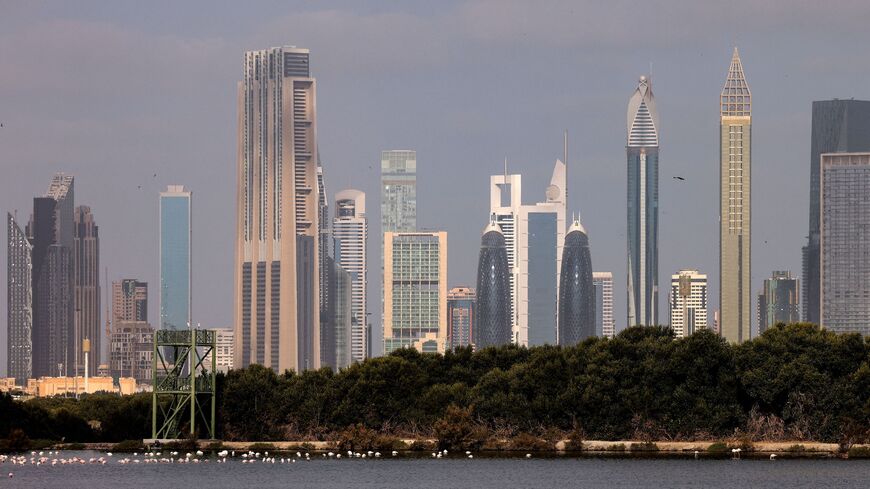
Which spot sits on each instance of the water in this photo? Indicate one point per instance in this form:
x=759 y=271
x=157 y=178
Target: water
x=459 y=472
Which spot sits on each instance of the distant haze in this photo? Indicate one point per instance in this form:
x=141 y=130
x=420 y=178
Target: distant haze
x=116 y=92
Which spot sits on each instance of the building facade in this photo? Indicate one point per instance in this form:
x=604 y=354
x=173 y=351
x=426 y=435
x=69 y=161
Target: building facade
x=534 y=237
x=415 y=291
x=175 y=258
x=845 y=242
x=131 y=351
x=778 y=301
x=576 y=292
x=642 y=150
x=350 y=232
x=87 y=291
x=493 y=325
x=342 y=350
x=277 y=270
x=19 y=302
x=839 y=126
x=461 y=305
x=129 y=300
x=688 y=302
x=735 y=212
x=224 y=350
x=52 y=234
x=602 y=282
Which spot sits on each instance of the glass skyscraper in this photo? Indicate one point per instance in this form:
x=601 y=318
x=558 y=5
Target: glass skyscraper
x=350 y=232
x=461 y=304
x=576 y=292
x=87 y=291
x=839 y=126
x=19 y=305
x=642 y=150
x=844 y=241
x=735 y=211
x=778 y=301
x=493 y=323
x=175 y=265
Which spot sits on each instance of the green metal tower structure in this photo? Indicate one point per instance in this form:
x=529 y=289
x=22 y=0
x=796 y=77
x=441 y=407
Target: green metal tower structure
x=184 y=383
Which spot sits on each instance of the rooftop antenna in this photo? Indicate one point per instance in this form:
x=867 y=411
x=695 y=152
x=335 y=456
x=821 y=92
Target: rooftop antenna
x=505 y=169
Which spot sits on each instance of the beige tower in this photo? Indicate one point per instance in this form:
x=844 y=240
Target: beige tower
x=734 y=204
x=277 y=316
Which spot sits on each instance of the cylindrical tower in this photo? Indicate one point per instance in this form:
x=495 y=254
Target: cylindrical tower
x=576 y=294
x=493 y=291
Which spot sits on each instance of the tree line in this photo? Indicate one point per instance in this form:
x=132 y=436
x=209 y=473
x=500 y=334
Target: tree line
x=796 y=382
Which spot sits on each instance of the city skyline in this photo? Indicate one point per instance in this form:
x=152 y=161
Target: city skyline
x=696 y=165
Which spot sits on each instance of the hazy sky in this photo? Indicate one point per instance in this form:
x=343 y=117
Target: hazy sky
x=114 y=92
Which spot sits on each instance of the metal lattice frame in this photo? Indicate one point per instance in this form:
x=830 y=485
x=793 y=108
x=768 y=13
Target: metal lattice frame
x=180 y=356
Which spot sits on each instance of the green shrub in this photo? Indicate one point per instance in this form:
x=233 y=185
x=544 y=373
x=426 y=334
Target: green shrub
x=527 y=441
x=616 y=447
x=796 y=449
x=718 y=447
x=456 y=430
x=859 y=452
x=644 y=447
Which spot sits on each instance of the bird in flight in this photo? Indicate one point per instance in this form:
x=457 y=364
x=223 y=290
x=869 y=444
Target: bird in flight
x=679 y=178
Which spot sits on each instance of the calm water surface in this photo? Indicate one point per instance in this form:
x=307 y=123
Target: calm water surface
x=484 y=473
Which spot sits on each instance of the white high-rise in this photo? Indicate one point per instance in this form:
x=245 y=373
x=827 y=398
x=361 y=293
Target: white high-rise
x=688 y=302
x=534 y=237
x=350 y=232
x=602 y=283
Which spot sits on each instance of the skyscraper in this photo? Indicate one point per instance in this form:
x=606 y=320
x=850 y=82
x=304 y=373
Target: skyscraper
x=845 y=242
x=87 y=290
x=325 y=261
x=839 y=126
x=19 y=303
x=778 y=301
x=350 y=231
x=642 y=150
x=341 y=295
x=415 y=291
x=52 y=235
x=602 y=282
x=576 y=292
x=398 y=200
x=688 y=302
x=534 y=237
x=175 y=258
x=461 y=305
x=277 y=280
x=735 y=168
x=493 y=322
x=129 y=300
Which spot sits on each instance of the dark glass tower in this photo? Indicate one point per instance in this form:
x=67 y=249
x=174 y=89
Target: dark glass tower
x=839 y=126
x=576 y=294
x=642 y=150
x=19 y=303
x=493 y=291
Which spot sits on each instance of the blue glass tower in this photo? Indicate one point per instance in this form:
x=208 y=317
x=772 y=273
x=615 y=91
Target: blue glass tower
x=576 y=292
x=493 y=325
x=642 y=151
x=175 y=293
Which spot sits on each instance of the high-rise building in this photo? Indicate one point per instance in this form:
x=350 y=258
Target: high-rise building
x=493 y=323
x=341 y=296
x=131 y=351
x=350 y=232
x=129 y=300
x=778 y=301
x=602 y=282
x=839 y=126
x=735 y=168
x=175 y=258
x=19 y=302
x=576 y=292
x=398 y=200
x=845 y=242
x=642 y=150
x=277 y=271
x=52 y=234
x=224 y=350
x=688 y=302
x=87 y=291
x=324 y=259
x=534 y=236
x=461 y=305
x=415 y=291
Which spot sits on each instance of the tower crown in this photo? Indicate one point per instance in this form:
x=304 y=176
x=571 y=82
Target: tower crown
x=643 y=118
x=736 y=100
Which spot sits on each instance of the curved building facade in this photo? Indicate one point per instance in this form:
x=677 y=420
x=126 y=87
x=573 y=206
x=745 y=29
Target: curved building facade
x=576 y=293
x=493 y=291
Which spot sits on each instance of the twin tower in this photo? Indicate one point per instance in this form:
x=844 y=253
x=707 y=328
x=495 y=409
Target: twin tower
x=534 y=279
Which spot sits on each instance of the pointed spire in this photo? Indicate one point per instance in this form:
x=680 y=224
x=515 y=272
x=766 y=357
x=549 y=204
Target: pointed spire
x=735 y=100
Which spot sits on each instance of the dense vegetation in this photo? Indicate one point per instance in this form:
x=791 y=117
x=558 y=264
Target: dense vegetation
x=795 y=382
